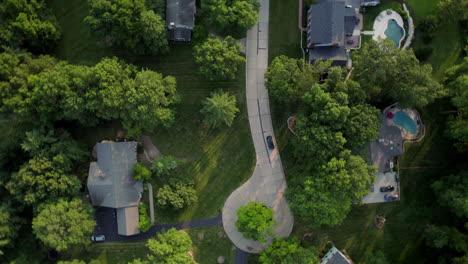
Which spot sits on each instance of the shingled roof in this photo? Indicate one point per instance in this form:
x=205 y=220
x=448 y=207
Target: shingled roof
x=110 y=182
x=180 y=18
x=326 y=22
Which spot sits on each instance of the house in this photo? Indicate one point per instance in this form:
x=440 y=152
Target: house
x=180 y=18
x=370 y=2
x=334 y=256
x=111 y=184
x=333 y=29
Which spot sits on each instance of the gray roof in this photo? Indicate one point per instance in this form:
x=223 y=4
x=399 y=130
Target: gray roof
x=334 y=256
x=326 y=22
x=336 y=54
x=180 y=19
x=349 y=20
x=110 y=181
x=127 y=221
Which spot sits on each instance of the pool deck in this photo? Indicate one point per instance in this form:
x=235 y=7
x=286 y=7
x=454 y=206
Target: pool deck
x=388 y=147
x=381 y=24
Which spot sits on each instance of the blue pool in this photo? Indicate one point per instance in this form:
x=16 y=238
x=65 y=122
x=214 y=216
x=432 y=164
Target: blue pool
x=394 y=32
x=404 y=120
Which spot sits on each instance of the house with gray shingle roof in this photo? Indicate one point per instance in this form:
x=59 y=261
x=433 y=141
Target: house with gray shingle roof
x=111 y=184
x=180 y=19
x=333 y=28
x=334 y=256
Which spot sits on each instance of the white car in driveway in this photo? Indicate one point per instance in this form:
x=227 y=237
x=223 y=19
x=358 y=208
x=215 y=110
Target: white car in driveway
x=98 y=238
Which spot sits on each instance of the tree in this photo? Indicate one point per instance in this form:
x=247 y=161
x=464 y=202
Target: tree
x=457 y=81
x=235 y=16
x=219 y=59
x=28 y=24
x=289 y=79
x=129 y=24
x=336 y=82
x=163 y=165
x=287 y=251
x=219 y=109
x=64 y=224
x=141 y=173
x=319 y=125
x=75 y=261
x=453 y=9
x=441 y=236
x=177 y=194
x=452 y=191
x=9 y=226
x=362 y=126
x=326 y=197
x=43 y=179
x=255 y=221
x=395 y=75
x=170 y=247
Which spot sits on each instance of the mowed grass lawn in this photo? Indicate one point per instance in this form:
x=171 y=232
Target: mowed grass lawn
x=213 y=244
x=218 y=160
x=402 y=238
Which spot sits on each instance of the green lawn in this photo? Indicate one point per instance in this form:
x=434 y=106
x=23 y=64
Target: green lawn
x=284 y=35
x=214 y=243
x=373 y=11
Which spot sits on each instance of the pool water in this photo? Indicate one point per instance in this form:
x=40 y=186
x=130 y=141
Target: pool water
x=404 y=120
x=394 y=32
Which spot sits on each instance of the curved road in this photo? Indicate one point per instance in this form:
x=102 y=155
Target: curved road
x=267 y=183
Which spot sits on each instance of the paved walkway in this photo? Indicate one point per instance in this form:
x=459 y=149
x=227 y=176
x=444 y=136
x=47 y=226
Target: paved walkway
x=151 y=201
x=107 y=225
x=267 y=184
x=409 y=38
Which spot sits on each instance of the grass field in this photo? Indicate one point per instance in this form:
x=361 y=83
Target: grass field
x=214 y=243
x=402 y=238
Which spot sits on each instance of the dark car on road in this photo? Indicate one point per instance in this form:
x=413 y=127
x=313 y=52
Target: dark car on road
x=391 y=197
x=388 y=188
x=270 y=143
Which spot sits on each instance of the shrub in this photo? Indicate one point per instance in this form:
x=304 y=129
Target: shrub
x=162 y=165
x=177 y=194
x=145 y=222
x=141 y=173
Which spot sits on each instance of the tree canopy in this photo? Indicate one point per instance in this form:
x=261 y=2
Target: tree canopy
x=219 y=109
x=110 y=90
x=163 y=165
x=255 y=221
x=325 y=198
x=178 y=194
x=235 y=16
x=452 y=191
x=9 y=226
x=287 y=251
x=170 y=247
x=28 y=24
x=219 y=59
x=457 y=81
x=129 y=24
x=141 y=173
x=386 y=72
x=65 y=223
x=289 y=79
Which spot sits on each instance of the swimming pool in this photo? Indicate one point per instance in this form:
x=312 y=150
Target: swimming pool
x=404 y=120
x=394 y=32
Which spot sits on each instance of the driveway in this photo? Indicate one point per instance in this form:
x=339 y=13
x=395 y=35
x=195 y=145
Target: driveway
x=267 y=183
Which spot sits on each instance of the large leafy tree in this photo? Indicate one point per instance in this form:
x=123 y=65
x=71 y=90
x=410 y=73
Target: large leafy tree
x=453 y=9
x=219 y=109
x=457 y=81
x=287 y=251
x=9 y=226
x=27 y=24
x=446 y=236
x=219 y=59
x=362 y=126
x=288 y=79
x=64 y=224
x=235 y=16
x=325 y=198
x=386 y=72
x=319 y=125
x=452 y=191
x=255 y=221
x=177 y=194
x=128 y=23
x=170 y=247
